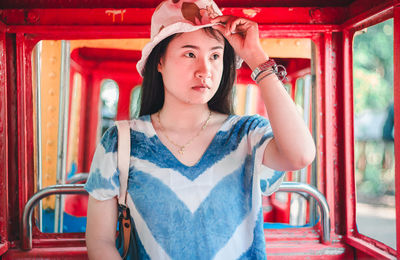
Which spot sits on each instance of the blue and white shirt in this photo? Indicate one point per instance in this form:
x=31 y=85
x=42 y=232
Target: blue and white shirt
x=211 y=210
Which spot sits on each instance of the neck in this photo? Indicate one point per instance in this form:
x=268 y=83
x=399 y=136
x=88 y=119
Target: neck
x=183 y=117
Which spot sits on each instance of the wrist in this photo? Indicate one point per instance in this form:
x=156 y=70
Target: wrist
x=267 y=68
x=256 y=58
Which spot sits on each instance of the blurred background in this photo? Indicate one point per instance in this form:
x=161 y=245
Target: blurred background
x=374 y=132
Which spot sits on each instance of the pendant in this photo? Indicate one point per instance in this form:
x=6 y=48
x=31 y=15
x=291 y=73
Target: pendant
x=181 y=150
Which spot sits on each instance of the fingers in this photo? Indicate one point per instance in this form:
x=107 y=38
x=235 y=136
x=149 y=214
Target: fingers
x=220 y=28
x=232 y=24
x=239 y=25
x=221 y=19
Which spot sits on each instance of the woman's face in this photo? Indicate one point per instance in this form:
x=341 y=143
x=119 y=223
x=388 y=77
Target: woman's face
x=192 y=67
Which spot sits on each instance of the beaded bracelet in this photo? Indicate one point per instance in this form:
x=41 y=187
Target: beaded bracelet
x=271 y=67
x=261 y=68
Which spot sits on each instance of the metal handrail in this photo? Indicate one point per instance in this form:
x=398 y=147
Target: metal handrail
x=27 y=216
x=298 y=187
x=79 y=189
x=77 y=178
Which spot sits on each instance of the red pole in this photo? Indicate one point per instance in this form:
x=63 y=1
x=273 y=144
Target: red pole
x=4 y=214
x=348 y=132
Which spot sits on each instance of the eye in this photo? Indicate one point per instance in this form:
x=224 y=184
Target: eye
x=190 y=55
x=215 y=56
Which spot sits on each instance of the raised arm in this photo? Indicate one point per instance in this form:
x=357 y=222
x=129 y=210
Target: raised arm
x=292 y=147
x=101 y=229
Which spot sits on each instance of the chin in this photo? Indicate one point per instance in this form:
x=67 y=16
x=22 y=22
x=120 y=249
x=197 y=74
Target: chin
x=200 y=101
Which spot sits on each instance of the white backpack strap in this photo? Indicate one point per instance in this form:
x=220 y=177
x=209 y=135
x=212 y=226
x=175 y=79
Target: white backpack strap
x=124 y=154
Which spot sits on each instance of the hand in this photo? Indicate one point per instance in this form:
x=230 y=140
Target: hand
x=243 y=35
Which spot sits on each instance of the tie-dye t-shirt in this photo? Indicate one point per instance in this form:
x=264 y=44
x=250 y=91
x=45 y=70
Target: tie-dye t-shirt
x=211 y=210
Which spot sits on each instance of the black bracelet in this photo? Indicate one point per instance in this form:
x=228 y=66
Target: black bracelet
x=258 y=81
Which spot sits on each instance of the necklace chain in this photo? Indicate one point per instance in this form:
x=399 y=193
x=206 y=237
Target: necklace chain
x=181 y=148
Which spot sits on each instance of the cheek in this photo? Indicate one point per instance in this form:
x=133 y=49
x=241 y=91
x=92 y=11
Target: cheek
x=218 y=72
x=178 y=70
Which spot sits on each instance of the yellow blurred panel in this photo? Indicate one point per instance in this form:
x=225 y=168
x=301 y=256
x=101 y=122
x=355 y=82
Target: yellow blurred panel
x=124 y=44
x=254 y=95
x=240 y=99
x=287 y=48
x=50 y=88
x=73 y=137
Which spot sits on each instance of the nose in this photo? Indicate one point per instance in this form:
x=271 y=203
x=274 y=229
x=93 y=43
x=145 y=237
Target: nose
x=203 y=69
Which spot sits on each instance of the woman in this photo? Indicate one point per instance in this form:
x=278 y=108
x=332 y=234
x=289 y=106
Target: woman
x=194 y=179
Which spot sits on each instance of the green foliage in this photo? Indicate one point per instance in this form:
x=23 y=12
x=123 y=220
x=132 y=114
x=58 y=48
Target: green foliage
x=373 y=90
x=373 y=67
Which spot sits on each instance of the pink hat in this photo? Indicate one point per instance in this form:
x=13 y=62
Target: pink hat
x=178 y=16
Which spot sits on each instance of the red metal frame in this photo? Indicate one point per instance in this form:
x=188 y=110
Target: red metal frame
x=3 y=144
x=370 y=14
x=24 y=121
x=12 y=174
x=330 y=28
x=348 y=160
x=137 y=16
x=353 y=238
x=326 y=98
x=29 y=4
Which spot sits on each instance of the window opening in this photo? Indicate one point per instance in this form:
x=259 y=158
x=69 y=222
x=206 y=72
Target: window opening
x=373 y=132
x=134 y=107
x=109 y=95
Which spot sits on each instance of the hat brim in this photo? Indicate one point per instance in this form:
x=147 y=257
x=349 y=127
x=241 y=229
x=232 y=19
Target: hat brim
x=172 y=29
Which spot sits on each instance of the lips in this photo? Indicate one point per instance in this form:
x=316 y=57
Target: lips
x=200 y=87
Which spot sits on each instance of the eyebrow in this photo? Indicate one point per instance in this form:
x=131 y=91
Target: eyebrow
x=196 y=47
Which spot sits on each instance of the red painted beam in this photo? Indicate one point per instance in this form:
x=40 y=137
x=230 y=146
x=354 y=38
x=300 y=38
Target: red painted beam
x=336 y=180
x=3 y=146
x=321 y=92
x=337 y=15
x=24 y=121
x=348 y=130
x=329 y=129
x=367 y=13
x=67 y=253
x=142 y=16
x=294 y=13
x=8 y=4
x=12 y=138
x=370 y=248
x=71 y=32
x=21 y=127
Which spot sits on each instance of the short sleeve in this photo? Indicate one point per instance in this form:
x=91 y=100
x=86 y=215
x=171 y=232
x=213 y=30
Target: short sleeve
x=270 y=180
x=259 y=135
x=103 y=180
x=259 y=132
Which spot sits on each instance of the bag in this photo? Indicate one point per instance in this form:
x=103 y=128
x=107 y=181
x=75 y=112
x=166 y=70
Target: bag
x=127 y=238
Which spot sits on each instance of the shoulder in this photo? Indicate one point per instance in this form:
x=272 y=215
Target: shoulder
x=218 y=119
x=136 y=123
x=248 y=122
x=110 y=139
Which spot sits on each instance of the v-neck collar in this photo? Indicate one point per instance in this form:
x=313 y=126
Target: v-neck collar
x=171 y=155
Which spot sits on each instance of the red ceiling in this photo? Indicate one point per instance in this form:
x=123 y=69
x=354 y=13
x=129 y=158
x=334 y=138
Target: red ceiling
x=27 y=4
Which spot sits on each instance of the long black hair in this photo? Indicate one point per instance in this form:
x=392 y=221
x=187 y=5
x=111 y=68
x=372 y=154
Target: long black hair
x=152 y=96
